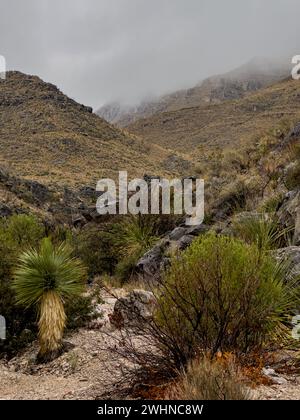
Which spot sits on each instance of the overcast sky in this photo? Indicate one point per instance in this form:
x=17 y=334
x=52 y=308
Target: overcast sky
x=99 y=51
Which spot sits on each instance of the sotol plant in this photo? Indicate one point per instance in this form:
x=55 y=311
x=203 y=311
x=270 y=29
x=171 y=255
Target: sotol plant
x=46 y=278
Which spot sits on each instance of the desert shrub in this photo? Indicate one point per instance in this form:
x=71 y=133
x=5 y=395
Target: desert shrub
x=114 y=248
x=96 y=248
x=126 y=268
x=223 y=295
x=136 y=235
x=59 y=234
x=261 y=229
x=219 y=295
x=236 y=161
x=79 y=311
x=22 y=231
x=207 y=379
x=20 y=323
x=294 y=150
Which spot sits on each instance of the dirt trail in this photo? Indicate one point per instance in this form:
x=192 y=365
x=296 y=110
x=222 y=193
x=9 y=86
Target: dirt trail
x=84 y=372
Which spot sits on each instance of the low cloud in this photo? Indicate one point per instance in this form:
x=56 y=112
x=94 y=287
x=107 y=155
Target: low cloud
x=124 y=50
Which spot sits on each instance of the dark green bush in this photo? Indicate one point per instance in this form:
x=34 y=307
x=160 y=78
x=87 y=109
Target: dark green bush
x=79 y=311
x=96 y=248
x=22 y=231
x=20 y=324
x=223 y=295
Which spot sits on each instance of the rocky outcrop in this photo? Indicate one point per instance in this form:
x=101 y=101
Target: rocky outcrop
x=294 y=134
x=289 y=214
x=153 y=263
x=131 y=310
x=290 y=255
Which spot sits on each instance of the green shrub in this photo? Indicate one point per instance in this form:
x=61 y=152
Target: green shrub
x=114 y=248
x=209 y=380
x=79 y=311
x=96 y=248
x=235 y=196
x=22 y=231
x=222 y=294
x=20 y=323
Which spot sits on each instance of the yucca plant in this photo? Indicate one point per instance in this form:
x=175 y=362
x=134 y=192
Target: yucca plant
x=46 y=278
x=135 y=236
x=263 y=230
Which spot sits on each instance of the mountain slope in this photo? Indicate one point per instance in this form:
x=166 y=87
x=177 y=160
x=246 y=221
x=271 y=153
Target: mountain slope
x=230 y=124
x=254 y=75
x=46 y=136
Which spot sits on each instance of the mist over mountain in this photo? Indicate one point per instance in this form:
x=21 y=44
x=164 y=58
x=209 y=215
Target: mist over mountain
x=253 y=75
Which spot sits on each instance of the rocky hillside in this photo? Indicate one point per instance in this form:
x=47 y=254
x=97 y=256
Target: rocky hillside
x=231 y=124
x=47 y=137
x=254 y=75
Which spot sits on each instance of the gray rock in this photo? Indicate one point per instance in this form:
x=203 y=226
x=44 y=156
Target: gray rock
x=185 y=242
x=270 y=373
x=177 y=233
x=290 y=254
x=5 y=211
x=155 y=261
x=149 y=267
x=135 y=308
x=292 y=135
x=289 y=214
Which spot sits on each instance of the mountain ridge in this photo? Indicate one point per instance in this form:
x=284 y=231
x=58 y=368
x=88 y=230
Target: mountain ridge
x=251 y=76
x=47 y=137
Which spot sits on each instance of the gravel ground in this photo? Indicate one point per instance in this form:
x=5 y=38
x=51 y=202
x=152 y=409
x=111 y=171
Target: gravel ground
x=89 y=370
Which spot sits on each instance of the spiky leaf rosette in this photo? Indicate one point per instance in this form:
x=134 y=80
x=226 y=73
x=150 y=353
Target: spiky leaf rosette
x=46 y=278
x=49 y=269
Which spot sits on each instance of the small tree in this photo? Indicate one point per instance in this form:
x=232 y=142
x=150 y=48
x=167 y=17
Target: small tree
x=46 y=278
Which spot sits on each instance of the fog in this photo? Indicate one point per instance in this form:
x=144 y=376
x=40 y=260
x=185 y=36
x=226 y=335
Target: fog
x=99 y=51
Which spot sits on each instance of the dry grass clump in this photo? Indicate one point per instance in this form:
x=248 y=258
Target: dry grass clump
x=207 y=379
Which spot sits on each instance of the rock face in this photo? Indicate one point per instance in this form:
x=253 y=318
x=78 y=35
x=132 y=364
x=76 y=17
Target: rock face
x=294 y=134
x=289 y=213
x=136 y=307
x=152 y=264
x=290 y=254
